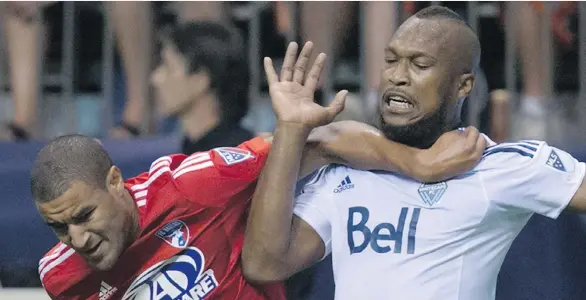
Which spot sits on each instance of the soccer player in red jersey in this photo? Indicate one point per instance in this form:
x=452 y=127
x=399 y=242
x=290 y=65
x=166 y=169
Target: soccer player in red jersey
x=176 y=231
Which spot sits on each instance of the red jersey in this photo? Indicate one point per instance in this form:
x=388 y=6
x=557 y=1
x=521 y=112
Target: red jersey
x=193 y=214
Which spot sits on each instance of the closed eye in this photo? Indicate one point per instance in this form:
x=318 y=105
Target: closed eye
x=83 y=216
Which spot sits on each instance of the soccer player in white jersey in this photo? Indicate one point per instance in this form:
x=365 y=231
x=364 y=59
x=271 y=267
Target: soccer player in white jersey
x=392 y=237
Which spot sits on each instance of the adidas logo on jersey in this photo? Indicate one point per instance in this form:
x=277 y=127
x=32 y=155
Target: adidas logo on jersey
x=106 y=291
x=345 y=185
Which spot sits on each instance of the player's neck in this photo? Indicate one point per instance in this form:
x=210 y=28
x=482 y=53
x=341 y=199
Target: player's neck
x=134 y=231
x=202 y=117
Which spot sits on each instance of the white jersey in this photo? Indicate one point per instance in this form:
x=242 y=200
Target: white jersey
x=394 y=238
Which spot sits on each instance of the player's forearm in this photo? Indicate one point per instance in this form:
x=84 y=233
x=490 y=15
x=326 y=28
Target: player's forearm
x=362 y=147
x=269 y=224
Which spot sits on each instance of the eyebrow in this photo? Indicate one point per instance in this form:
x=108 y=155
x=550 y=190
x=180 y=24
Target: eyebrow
x=79 y=214
x=411 y=53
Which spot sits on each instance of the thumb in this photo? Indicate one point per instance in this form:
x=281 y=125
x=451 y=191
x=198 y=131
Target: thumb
x=337 y=104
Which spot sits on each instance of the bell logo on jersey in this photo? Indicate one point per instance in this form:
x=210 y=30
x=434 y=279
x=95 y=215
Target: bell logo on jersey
x=381 y=232
x=233 y=155
x=175 y=233
x=180 y=277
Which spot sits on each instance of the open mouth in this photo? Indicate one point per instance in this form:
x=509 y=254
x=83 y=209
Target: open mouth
x=398 y=103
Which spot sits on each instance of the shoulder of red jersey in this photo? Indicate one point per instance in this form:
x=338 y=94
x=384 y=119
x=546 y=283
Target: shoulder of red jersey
x=221 y=161
x=60 y=269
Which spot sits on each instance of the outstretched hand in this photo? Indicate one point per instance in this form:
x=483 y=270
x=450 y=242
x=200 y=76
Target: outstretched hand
x=292 y=94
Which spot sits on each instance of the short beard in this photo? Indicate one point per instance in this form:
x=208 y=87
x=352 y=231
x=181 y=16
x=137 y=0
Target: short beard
x=424 y=132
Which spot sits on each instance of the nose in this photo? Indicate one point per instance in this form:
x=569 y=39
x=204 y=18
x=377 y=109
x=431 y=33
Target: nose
x=155 y=76
x=78 y=237
x=399 y=75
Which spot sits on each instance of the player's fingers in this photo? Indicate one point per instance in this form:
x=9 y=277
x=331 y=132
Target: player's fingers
x=288 y=62
x=337 y=105
x=315 y=72
x=301 y=65
x=270 y=71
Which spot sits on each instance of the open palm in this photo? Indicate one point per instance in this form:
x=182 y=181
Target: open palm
x=292 y=94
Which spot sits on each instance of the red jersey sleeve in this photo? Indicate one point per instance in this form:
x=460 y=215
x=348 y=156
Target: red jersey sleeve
x=213 y=177
x=58 y=272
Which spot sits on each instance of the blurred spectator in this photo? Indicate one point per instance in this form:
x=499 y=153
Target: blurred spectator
x=533 y=63
x=327 y=31
x=203 y=79
x=134 y=26
x=22 y=26
x=534 y=60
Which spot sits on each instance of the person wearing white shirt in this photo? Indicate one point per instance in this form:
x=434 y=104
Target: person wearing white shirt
x=392 y=237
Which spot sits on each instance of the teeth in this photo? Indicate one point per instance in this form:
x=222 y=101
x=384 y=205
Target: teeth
x=399 y=102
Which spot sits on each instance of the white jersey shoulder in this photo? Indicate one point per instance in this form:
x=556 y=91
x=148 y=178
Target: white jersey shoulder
x=445 y=240
x=530 y=176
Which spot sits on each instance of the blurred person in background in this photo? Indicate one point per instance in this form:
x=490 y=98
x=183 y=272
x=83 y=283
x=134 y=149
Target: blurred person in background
x=328 y=31
x=203 y=79
x=533 y=63
x=135 y=26
x=22 y=27
x=534 y=60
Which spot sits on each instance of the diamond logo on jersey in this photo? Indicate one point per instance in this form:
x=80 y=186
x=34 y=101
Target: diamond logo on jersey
x=106 y=291
x=432 y=193
x=555 y=162
x=345 y=185
x=179 y=277
x=175 y=233
x=233 y=155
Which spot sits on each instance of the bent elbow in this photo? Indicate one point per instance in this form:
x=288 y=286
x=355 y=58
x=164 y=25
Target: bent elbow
x=259 y=274
x=259 y=271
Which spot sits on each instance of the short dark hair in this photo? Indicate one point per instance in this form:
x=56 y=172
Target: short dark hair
x=66 y=159
x=220 y=51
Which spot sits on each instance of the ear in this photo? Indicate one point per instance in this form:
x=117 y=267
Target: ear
x=114 y=180
x=199 y=82
x=466 y=85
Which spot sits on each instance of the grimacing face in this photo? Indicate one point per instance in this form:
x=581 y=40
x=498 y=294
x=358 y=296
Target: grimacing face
x=175 y=88
x=98 y=223
x=419 y=90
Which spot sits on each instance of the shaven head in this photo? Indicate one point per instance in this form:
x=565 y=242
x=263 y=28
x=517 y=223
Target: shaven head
x=428 y=72
x=461 y=39
x=67 y=159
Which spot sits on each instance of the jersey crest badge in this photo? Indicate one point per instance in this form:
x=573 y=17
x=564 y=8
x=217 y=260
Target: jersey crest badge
x=432 y=193
x=182 y=276
x=175 y=233
x=555 y=162
x=233 y=155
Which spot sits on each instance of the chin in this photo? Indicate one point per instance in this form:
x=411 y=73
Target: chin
x=105 y=264
x=399 y=120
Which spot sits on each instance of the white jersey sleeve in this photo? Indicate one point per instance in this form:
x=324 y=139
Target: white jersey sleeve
x=531 y=177
x=312 y=206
